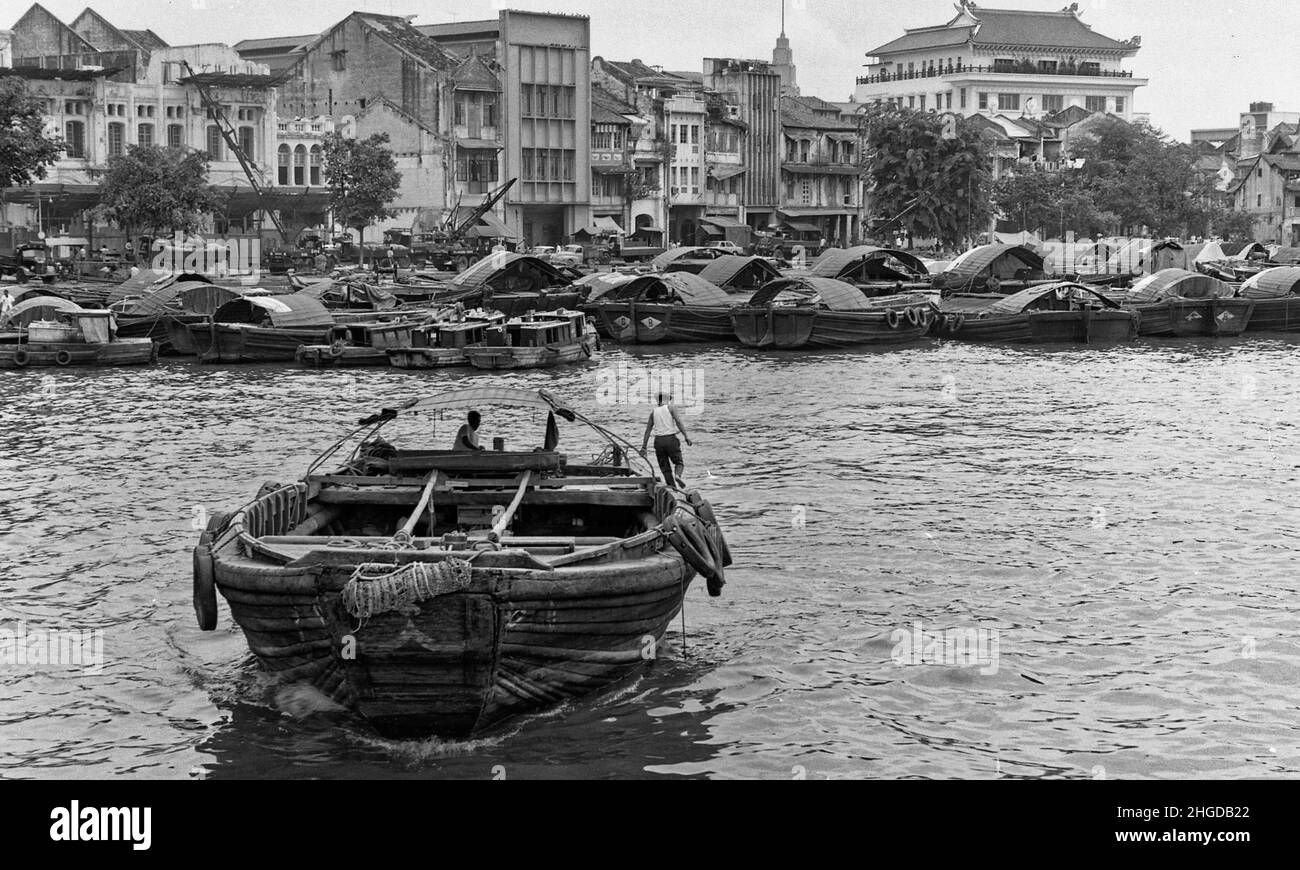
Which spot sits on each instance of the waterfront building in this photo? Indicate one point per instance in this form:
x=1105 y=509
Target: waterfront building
x=1001 y=61
x=754 y=89
x=820 y=171
x=105 y=88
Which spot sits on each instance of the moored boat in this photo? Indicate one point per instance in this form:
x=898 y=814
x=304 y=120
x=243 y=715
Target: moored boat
x=541 y=341
x=441 y=592
x=1066 y=312
x=261 y=329
x=873 y=270
x=79 y=337
x=440 y=345
x=669 y=307
x=1179 y=303
x=1277 y=305
x=808 y=311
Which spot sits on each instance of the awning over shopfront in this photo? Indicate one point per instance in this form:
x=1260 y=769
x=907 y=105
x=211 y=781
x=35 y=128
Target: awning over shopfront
x=723 y=171
x=723 y=222
x=612 y=169
x=478 y=144
x=608 y=225
x=802 y=227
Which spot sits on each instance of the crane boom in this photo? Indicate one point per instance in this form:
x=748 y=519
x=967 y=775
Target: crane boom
x=459 y=229
x=213 y=107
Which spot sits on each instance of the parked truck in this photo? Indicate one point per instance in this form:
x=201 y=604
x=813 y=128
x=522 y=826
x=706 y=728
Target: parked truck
x=24 y=255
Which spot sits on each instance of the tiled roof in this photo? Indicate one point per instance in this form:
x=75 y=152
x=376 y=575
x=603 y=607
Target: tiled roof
x=794 y=113
x=285 y=43
x=475 y=74
x=609 y=109
x=399 y=33
x=147 y=39
x=1005 y=27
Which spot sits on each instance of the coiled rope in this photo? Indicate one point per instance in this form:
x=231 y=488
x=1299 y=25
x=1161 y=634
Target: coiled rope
x=379 y=588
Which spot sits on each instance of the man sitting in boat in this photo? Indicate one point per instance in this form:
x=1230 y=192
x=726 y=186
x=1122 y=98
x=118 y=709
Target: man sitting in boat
x=665 y=423
x=467 y=437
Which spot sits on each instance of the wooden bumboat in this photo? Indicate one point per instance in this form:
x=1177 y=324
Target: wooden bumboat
x=537 y=341
x=261 y=329
x=439 y=592
x=79 y=338
x=1277 y=305
x=1179 y=303
x=441 y=345
x=1066 y=312
x=671 y=307
x=810 y=311
x=358 y=344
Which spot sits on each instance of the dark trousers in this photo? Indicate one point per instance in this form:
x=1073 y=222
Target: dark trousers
x=668 y=450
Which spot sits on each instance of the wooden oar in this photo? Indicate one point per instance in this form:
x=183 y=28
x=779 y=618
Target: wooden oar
x=435 y=478
x=505 y=518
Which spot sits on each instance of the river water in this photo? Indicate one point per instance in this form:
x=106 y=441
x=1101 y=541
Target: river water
x=1109 y=527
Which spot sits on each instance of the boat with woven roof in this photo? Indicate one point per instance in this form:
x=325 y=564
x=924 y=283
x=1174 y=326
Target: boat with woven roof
x=440 y=592
x=1065 y=312
x=809 y=311
x=1179 y=303
x=668 y=307
x=1277 y=302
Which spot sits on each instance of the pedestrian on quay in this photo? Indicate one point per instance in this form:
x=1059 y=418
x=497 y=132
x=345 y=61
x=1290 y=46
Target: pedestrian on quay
x=665 y=423
x=6 y=303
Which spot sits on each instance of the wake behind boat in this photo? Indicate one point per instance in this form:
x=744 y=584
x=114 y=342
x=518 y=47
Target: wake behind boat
x=439 y=592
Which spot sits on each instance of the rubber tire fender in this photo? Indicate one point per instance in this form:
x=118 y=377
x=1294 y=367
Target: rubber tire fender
x=21 y=357
x=63 y=358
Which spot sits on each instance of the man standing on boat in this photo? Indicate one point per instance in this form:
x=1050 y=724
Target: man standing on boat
x=665 y=423
x=467 y=437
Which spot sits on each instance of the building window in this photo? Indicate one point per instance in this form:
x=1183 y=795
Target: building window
x=528 y=167
x=340 y=59
x=74 y=107
x=1259 y=200
x=1119 y=105
x=526 y=100
x=695 y=179
x=246 y=141
x=144 y=134
x=1047 y=66
x=214 y=143
x=962 y=95
x=74 y=133
x=949 y=100
x=984 y=101
x=300 y=165
x=282 y=156
x=458 y=113
x=911 y=102
x=144 y=111
x=313 y=165
x=116 y=135
x=695 y=134
x=1094 y=104
x=1090 y=68
x=490 y=110
x=922 y=102
x=1008 y=102
x=1053 y=102
x=805 y=192
x=175 y=135
x=1004 y=65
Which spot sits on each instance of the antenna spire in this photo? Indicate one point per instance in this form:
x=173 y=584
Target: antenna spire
x=783 y=17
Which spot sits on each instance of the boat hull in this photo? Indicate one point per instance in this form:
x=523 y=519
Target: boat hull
x=500 y=358
x=654 y=323
x=237 y=342
x=426 y=357
x=1183 y=318
x=1275 y=315
x=788 y=327
x=1088 y=326
x=122 y=352
x=323 y=356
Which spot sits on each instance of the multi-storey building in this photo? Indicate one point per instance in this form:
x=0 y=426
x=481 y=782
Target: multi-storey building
x=819 y=170
x=542 y=61
x=106 y=88
x=724 y=145
x=754 y=88
x=615 y=129
x=988 y=61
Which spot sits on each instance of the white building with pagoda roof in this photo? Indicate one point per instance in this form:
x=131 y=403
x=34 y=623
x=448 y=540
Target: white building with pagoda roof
x=1003 y=61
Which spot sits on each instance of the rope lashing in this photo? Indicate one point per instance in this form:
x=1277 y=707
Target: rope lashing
x=379 y=588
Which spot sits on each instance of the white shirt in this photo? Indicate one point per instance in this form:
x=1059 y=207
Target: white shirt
x=664 y=422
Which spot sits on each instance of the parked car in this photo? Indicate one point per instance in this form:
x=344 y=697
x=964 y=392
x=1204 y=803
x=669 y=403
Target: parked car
x=728 y=246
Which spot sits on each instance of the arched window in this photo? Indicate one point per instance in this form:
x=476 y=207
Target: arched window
x=315 y=165
x=214 y=143
x=300 y=165
x=74 y=133
x=283 y=176
x=116 y=137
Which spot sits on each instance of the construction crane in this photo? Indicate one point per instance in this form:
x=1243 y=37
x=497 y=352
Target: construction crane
x=458 y=229
x=213 y=107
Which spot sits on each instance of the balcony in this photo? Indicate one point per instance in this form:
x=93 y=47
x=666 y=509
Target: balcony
x=997 y=69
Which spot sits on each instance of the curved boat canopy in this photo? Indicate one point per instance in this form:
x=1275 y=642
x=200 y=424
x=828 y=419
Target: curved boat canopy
x=1272 y=283
x=885 y=264
x=281 y=312
x=737 y=271
x=1171 y=283
x=140 y=284
x=601 y=283
x=200 y=297
x=1018 y=302
x=1286 y=256
x=1001 y=261
x=503 y=268
x=37 y=308
x=474 y=397
x=685 y=288
x=661 y=262
x=344 y=292
x=826 y=292
x=162 y=301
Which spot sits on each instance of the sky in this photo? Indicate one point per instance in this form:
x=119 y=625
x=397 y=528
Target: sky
x=1206 y=60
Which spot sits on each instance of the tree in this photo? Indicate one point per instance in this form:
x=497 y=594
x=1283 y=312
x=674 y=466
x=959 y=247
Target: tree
x=25 y=152
x=1052 y=203
x=363 y=179
x=936 y=168
x=159 y=189
x=1137 y=173
x=1232 y=226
